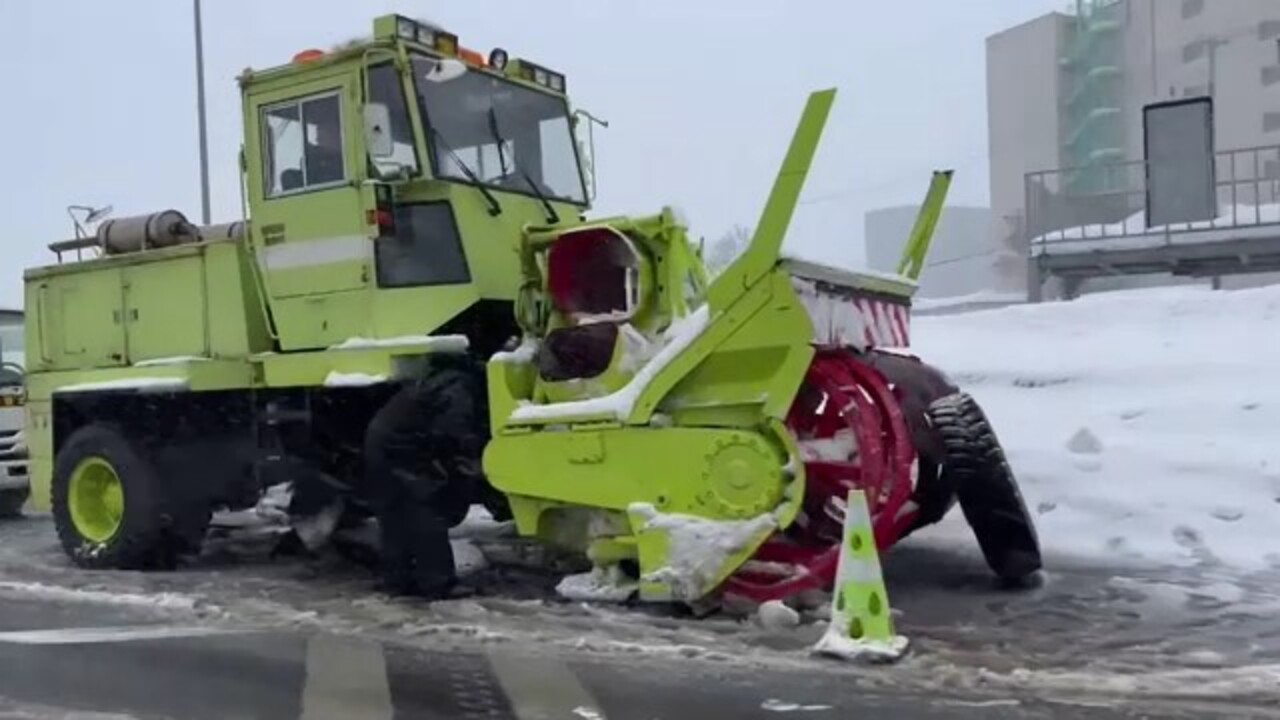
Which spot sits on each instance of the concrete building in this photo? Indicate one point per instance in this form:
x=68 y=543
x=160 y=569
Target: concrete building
x=962 y=260
x=1067 y=90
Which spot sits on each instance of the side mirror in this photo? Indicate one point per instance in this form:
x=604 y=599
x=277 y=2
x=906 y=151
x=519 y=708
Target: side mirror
x=377 y=131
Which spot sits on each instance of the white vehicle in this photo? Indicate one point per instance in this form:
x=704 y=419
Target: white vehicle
x=14 y=475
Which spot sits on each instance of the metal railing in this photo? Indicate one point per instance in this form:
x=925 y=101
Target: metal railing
x=1081 y=208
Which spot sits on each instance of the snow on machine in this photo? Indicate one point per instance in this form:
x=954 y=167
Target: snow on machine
x=409 y=200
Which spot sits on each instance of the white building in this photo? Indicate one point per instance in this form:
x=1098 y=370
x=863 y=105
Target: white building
x=1067 y=90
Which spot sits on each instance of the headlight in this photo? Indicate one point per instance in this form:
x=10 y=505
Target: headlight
x=557 y=82
x=540 y=76
x=427 y=37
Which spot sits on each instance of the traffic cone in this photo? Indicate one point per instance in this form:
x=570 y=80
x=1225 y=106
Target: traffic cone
x=861 y=624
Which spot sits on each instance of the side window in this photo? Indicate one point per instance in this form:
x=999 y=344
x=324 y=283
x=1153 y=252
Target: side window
x=385 y=88
x=304 y=147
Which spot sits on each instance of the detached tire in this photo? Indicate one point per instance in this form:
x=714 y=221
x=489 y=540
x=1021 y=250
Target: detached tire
x=107 y=503
x=975 y=466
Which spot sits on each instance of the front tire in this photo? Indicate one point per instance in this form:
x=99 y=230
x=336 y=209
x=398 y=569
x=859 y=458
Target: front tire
x=107 y=502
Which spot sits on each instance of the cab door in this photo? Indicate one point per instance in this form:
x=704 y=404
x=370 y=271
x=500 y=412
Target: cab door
x=311 y=221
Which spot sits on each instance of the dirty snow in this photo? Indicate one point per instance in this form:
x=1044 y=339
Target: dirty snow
x=677 y=338
x=340 y=379
x=697 y=547
x=598 y=585
x=1133 y=233
x=144 y=384
x=429 y=343
x=1142 y=424
x=160 y=600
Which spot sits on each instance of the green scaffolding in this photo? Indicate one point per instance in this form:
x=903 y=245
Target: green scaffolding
x=1094 y=129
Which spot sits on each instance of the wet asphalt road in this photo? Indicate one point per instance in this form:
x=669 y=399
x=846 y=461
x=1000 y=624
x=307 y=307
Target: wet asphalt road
x=144 y=645
x=60 y=659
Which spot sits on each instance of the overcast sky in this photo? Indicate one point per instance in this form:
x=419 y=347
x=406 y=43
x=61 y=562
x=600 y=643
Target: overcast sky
x=701 y=96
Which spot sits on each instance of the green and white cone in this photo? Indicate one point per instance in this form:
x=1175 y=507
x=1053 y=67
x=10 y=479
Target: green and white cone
x=861 y=625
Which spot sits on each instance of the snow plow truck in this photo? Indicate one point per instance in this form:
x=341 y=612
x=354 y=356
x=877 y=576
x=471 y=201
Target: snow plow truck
x=412 y=207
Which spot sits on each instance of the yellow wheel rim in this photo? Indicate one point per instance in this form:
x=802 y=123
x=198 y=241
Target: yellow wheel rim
x=96 y=500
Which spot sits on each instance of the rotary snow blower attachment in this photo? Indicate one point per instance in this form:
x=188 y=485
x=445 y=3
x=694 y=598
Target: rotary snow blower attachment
x=699 y=437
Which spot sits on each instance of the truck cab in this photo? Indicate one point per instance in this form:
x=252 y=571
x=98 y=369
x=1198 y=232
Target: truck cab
x=389 y=183
x=14 y=480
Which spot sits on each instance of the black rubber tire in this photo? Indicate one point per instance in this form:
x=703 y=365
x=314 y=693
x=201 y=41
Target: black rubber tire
x=141 y=541
x=12 y=502
x=985 y=486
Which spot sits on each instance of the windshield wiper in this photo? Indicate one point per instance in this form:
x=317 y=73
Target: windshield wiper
x=552 y=216
x=495 y=208
x=497 y=137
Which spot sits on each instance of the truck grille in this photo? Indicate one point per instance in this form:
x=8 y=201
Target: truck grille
x=11 y=445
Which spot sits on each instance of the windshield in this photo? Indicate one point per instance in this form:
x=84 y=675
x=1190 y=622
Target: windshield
x=501 y=131
x=12 y=348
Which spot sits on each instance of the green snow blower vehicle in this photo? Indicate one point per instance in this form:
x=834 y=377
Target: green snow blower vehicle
x=410 y=200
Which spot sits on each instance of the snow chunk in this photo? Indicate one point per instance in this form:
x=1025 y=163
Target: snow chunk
x=839 y=448
x=698 y=548
x=168 y=361
x=601 y=585
x=430 y=343
x=775 y=615
x=467 y=557
x=677 y=338
x=141 y=384
x=337 y=379
x=780 y=706
x=1084 y=442
x=524 y=354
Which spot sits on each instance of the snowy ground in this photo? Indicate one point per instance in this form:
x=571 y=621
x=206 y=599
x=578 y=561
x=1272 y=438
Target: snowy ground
x=1140 y=425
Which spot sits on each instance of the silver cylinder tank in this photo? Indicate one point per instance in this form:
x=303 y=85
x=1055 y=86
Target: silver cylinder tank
x=131 y=234
x=225 y=231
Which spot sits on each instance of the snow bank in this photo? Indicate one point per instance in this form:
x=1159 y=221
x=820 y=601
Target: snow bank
x=1133 y=233
x=1141 y=424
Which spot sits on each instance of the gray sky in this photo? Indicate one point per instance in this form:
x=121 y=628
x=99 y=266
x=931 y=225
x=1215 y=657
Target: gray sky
x=702 y=96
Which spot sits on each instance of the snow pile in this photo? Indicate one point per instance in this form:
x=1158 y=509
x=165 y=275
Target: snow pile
x=337 y=379
x=677 y=338
x=1141 y=424
x=430 y=343
x=1132 y=232
x=698 y=548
